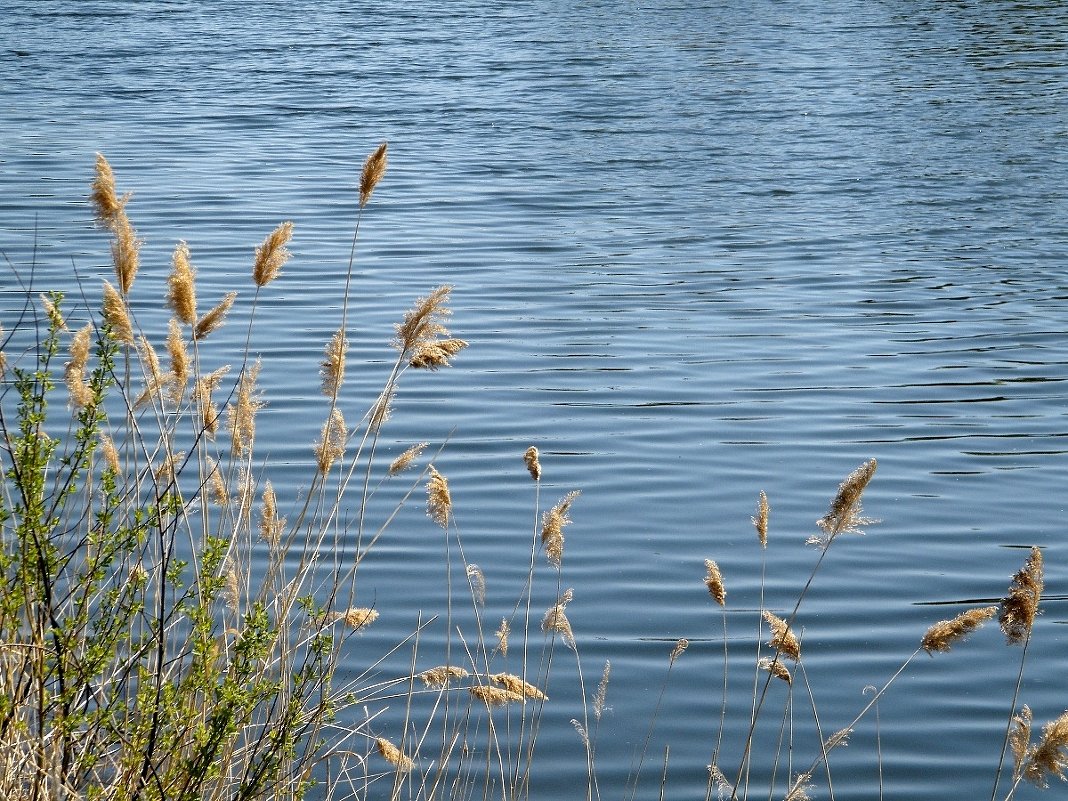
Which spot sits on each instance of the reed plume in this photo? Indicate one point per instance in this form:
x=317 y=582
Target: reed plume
x=110 y=453
x=501 y=634
x=1020 y=738
x=440 y=676
x=438 y=498
x=357 y=617
x=516 y=685
x=179 y=377
x=382 y=410
x=496 y=696
x=552 y=528
x=942 y=635
x=107 y=205
x=219 y=494
x=783 y=638
x=202 y=391
x=181 y=286
x=242 y=413
x=679 y=649
x=714 y=582
x=477 y=579
x=776 y=668
x=404 y=461
x=331 y=445
x=214 y=318
x=125 y=252
x=116 y=316
x=530 y=459
x=424 y=322
x=271 y=525
x=799 y=789
x=1050 y=756
x=272 y=255
x=1020 y=607
x=555 y=620
x=74 y=371
x=839 y=738
x=393 y=755
x=373 y=170
x=760 y=522
x=844 y=515
x=432 y=355
x=601 y=696
x=332 y=367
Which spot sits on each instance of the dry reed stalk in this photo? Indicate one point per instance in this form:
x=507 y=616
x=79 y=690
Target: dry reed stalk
x=179 y=377
x=477 y=580
x=502 y=636
x=761 y=520
x=116 y=316
x=214 y=318
x=373 y=170
x=404 y=461
x=1020 y=607
x=515 y=684
x=424 y=322
x=441 y=675
x=181 y=286
x=776 y=668
x=271 y=525
x=1020 y=738
x=74 y=371
x=601 y=696
x=1049 y=758
x=496 y=696
x=839 y=738
x=552 y=528
x=357 y=617
x=530 y=459
x=125 y=252
x=271 y=255
x=783 y=638
x=331 y=445
x=107 y=205
x=393 y=755
x=844 y=515
x=432 y=355
x=942 y=635
x=714 y=582
x=332 y=368
x=555 y=619
x=241 y=417
x=438 y=499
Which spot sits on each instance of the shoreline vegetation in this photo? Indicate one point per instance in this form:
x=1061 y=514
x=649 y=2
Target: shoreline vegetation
x=143 y=654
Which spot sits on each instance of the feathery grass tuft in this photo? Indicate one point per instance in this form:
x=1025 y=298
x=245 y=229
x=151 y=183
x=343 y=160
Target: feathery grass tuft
x=272 y=255
x=1020 y=607
x=373 y=170
x=942 y=635
x=783 y=638
x=714 y=583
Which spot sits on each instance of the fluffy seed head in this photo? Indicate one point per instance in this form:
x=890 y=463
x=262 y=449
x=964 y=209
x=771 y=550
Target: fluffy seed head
x=502 y=636
x=271 y=255
x=602 y=692
x=357 y=618
x=1020 y=607
x=845 y=512
x=679 y=648
x=179 y=360
x=432 y=355
x=116 y=316
x=80 y=394
x=1020 y=738
x=761 y=520
x=424 y=322
x=404 y=461
x=783 y=638
x=438 y=499
x=556 y=622
x=219 y=494
x=214 y=319
x=552 y=528
x=106 y=203
x=393 y=755
x=373 y=170
x=477 y=579
x=530 y=458
x=181 y=286
x=941 y=636
x=776 y=668
x=110 y=453
x=441 y=675
x=242 y=414
x=1050 y=756
x=517 y=685
x=331 y=445
x=271 y=525
x=714 y=582
x=496 y=696
x=332 y=367
x=125 y=252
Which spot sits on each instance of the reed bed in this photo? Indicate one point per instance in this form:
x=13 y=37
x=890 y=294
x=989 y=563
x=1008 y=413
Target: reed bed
x=143 y=657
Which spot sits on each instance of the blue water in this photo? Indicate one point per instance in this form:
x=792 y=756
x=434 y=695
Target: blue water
x=699 y=250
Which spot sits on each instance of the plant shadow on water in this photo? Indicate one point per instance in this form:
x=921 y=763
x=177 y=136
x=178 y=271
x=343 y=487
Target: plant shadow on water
x=173 y=628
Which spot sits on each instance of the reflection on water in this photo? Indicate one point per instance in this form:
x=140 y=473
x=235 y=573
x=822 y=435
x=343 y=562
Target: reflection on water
x=698 y=251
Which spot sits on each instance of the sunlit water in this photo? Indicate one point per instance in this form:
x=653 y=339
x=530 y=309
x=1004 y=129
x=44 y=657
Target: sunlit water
x=699 y=250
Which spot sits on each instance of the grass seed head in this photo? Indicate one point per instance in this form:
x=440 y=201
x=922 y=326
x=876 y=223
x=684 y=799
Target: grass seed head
x=1020 y=607
x=942 y=635
x=373 y=170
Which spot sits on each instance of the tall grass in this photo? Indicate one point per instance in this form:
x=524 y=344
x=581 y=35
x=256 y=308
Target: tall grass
x=171 y=627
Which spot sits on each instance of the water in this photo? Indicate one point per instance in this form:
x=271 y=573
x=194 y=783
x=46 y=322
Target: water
x=699 y=250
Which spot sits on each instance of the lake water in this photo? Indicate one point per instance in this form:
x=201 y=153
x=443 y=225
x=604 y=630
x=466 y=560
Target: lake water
x=699 y=250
